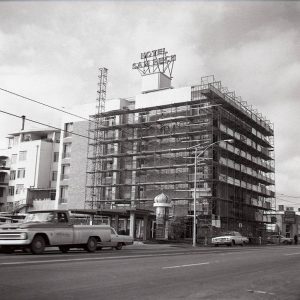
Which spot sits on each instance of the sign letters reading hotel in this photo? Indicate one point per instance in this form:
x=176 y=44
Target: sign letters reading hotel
x=155 y=61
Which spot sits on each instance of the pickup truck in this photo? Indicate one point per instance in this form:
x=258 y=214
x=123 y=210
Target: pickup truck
x=230 y=239
x=55 y=228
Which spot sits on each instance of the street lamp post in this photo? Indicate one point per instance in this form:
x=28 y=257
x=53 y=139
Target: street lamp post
x=195 y=181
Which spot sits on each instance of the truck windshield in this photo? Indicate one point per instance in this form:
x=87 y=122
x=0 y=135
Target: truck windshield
x=39 y=217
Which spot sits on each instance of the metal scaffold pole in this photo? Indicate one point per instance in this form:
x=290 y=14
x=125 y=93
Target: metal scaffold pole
x=94 y=162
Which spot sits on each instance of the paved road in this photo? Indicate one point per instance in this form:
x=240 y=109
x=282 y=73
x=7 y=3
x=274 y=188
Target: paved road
x=154 y=272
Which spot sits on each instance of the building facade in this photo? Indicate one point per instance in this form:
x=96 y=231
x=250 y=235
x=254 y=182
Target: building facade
x=4 y=177
x=149 y=149
x=30 y=168
x=286 y=221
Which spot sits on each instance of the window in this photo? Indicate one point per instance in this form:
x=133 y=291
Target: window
x=109 y=167
x=67 y=150
x=62 y=218
x=2 y=177
x=22 y=155
x=54 y=175
x=19 y=188
x=55 y=156
x=57 y=137
x=21 y=173
x=12 y=175
x=63 y=194
x=11 y=190
x=110 y=121
x=52 y=195
x=65 y=171
x=14 y=158
x=68 y=129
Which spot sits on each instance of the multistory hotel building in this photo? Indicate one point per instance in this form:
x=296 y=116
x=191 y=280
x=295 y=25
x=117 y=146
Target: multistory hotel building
x=150 y=149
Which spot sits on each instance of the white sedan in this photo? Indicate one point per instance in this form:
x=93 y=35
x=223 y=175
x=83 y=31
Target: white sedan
x=230 y=239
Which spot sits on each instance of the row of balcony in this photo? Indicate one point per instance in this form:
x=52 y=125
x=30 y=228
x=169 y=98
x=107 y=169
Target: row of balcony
x=265 y=151
x=247 y=170
x=240 y=183
x=253 y=159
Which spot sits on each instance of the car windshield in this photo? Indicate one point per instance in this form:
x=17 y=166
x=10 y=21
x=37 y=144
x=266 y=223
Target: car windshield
x=232 y=233
x=39 y=217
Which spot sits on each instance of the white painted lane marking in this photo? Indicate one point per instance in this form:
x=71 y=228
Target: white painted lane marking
x=260 y=292
x=90 y=258
x=108 y=257
x=288 y=254
x=75 y=259
x=184 y=266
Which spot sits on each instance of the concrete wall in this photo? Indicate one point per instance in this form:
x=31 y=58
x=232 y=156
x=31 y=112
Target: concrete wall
x=158 y=98
x=78 y=161
x=43 y=179
x=43 y=204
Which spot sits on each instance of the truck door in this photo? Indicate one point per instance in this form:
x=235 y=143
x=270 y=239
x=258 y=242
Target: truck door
x=114 y=237
x=63 y=229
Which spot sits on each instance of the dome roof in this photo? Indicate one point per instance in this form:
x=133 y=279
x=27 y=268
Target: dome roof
x=161 y=198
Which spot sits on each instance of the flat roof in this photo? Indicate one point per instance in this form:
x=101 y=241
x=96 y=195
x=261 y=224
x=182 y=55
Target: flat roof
x=38 y=131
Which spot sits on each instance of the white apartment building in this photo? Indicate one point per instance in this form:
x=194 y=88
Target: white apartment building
x=31 y=161
x=4 y=177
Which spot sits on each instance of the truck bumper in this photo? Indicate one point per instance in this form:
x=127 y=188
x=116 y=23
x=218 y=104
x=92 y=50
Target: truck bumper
x=14 y=242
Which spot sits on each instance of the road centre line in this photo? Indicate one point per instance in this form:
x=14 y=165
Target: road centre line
x=260 y=292
x=184 y=266
x=85 y=259
x=74 y=259
x=289 y=254
x=93 y=258
x=171 y=253
x=125 y=257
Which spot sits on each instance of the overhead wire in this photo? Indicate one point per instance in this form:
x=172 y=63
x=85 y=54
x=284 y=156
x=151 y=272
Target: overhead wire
x=46 y=105
x=52 y=107
x=44 y=124
x=54 y=127
x=284 y=200
x=284 y=195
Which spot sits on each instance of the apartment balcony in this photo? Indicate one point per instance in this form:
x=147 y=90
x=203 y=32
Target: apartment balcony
x=64 y=176
x=67 y=134
x=66 y=155
x=63 y=200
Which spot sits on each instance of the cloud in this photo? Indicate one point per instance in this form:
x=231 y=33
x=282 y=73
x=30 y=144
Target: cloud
x=51 y=51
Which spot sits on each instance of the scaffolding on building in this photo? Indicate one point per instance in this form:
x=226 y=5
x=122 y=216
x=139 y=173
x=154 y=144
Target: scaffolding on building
x=95 y=147
x=140 y=153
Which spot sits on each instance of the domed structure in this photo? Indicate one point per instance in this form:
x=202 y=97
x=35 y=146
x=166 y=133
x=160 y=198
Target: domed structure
x=161 y=198
x=162 y=205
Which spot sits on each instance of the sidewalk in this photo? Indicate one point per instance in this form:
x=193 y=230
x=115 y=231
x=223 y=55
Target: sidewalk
x=157 y=245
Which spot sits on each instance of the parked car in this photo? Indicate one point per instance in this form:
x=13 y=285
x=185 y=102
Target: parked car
x=230 y=239
x=279 y=239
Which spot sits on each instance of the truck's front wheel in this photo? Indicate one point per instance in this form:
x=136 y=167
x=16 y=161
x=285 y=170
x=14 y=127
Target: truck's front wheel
x=91 y=245
x=38 y=245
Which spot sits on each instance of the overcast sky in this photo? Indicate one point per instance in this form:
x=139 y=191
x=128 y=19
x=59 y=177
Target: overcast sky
x=51 y=52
